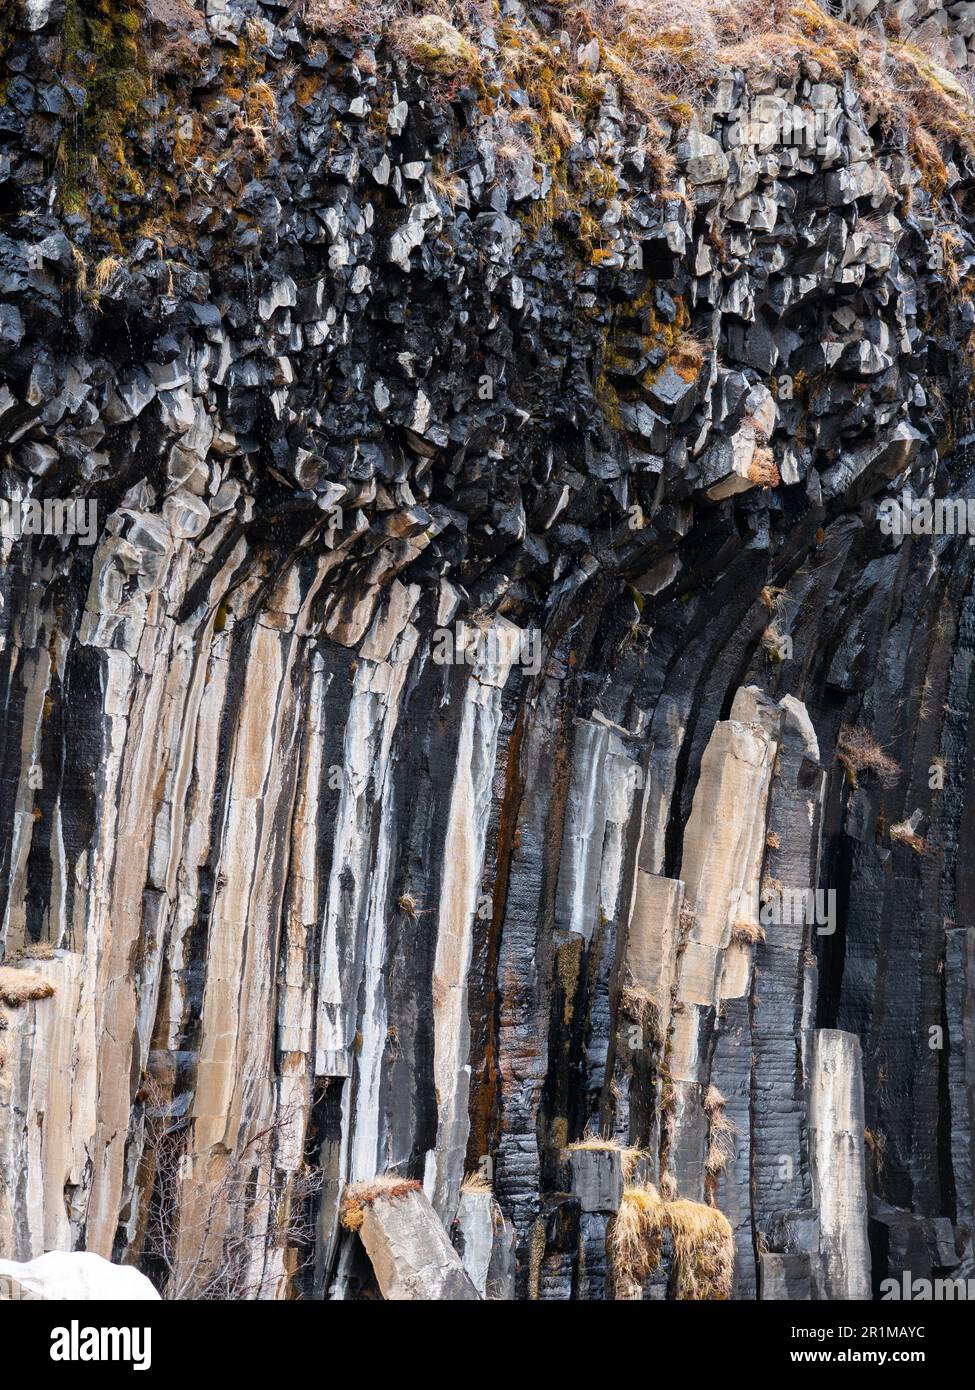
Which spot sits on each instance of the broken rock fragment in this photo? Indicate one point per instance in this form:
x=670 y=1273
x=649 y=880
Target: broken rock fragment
x=411 y=1256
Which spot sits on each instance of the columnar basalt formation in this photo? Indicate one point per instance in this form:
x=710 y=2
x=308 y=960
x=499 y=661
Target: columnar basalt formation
x=490 y=634
x=945 y=32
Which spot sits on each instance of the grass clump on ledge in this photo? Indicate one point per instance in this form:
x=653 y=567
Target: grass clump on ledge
x=354 y=19
x=359 y=1195
x=475 y=1183
x=858 y=751
x=638 y=1006
x=763 y=469
x=20 y=986
x=745 y=933
x=36 y=950
x=629 y=1155
x=701 y=1241
x=434 y=45
x=904 y=833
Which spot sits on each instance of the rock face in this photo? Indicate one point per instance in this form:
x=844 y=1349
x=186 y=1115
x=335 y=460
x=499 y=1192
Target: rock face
x=836 y=1142
x=474 y=716
x=945 y=32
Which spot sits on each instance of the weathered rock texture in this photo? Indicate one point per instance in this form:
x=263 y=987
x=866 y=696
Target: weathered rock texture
x=411 y=1257
x=946 y=32
x=575 y=363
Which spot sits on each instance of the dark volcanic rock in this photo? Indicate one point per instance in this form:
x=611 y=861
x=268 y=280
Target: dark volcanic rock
x=460 y=694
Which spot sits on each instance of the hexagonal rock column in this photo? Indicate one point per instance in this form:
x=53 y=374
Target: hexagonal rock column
x=597 y=1182
x=836 y=1148
x=486 y=1245
x=597 y=1178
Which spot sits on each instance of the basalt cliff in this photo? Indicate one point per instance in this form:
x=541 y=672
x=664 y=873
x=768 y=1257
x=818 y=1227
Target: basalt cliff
x=487 y=804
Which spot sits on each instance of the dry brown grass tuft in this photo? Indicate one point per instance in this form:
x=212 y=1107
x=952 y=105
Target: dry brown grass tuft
x=905 y=834
x=713 y=1099
x=688 y=355
x=358 y=1196
x=105 y=272
x=445 y=182
x=635 y=1236
x=37 y=950
x=747 y=933
x=511 y=150
x=722 y=1130
x=352 y=19
x=20 y=986
x=629 y=1156
x=434 y=45
x=475 y=1182
x=858 y=751
x=670 y=50
x=639 y=1006
x=701 y=1239
x=763 y=468
x=79 y=270
x=704 y=1250
x=687 y=920
x=949 y=246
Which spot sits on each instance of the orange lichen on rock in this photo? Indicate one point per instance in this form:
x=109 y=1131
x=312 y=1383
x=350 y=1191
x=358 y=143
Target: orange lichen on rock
x=358 y=1196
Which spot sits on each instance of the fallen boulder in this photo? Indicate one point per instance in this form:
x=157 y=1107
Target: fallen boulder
x=411 y=1256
